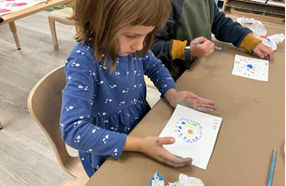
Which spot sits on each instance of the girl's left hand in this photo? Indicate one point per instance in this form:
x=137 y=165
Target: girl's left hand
x=191 y=100
x=153 y=147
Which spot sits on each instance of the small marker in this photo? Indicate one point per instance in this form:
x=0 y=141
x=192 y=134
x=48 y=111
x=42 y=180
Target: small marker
x=215 y=47
x=271 y=172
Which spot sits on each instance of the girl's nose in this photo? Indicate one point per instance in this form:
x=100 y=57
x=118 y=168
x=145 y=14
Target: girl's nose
x=138 y=45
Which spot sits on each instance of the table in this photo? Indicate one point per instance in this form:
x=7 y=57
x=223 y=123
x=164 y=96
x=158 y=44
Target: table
x=12 y=17
x=253 y=126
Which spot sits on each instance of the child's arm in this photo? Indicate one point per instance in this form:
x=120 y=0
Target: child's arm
x=157 y=73
x=164 y=82
x=227 y=30
x=153 y=147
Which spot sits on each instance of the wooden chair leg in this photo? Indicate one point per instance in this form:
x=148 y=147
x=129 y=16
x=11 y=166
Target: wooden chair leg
x=0 y=125
x=53 y=32
x=13 y=29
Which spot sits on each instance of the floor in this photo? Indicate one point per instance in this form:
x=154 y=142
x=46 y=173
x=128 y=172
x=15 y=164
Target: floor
x=26 y=156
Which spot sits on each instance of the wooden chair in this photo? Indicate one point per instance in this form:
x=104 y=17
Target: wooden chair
x=61 y=17
x=44 y=104
x=148 y=82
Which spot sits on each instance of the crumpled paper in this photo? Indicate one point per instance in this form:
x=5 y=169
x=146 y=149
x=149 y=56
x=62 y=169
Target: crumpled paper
x=273 y=40
x=255 y=26
x=260 y=32
x=157 y=180
x=183 y=180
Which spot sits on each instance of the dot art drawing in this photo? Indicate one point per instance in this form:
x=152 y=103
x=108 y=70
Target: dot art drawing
x=250 y=68
x=189 y=130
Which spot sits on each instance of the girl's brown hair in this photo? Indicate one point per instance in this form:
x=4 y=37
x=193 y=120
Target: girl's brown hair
x=101 y=21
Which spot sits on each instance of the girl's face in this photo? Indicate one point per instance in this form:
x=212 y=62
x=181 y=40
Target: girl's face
x=131 y=39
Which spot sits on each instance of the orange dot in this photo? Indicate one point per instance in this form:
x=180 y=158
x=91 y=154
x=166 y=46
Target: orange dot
x=190 y=131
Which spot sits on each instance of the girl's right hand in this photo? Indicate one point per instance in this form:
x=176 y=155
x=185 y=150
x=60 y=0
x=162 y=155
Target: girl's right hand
x=201 y=50
x=153 y=146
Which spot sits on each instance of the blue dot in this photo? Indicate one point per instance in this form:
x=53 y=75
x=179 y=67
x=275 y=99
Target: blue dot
x=183 y=123
x=250 y=66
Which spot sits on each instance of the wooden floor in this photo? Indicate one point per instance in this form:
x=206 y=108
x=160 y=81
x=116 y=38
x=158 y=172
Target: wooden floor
x=26 y=156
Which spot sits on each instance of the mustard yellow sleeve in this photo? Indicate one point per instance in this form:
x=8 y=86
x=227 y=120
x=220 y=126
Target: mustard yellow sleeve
x=249 y=42
x=178 y=49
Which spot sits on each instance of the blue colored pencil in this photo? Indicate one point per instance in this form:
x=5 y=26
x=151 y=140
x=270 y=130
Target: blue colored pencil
x=272 y=168
x=199 y=43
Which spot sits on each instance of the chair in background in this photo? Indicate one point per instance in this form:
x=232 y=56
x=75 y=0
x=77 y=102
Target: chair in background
x=44 y=104
x=60 y=16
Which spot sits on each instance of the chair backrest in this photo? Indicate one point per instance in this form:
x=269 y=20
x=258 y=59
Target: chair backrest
x=44 y=104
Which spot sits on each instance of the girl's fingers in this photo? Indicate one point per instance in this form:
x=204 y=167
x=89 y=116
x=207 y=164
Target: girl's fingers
x=204 y=109
x=206 y=101
x=165 y=140
x=200 y=101
x=176 y=161
x=207 y=106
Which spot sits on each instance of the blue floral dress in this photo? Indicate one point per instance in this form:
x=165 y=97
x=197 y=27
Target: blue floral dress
x=100 y=108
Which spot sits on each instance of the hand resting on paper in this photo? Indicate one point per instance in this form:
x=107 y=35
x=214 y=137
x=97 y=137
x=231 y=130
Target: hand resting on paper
x=189 y=99
x=153 y=147
x=263 y=51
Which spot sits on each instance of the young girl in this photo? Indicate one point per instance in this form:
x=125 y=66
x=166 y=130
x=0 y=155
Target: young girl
x=105 y=94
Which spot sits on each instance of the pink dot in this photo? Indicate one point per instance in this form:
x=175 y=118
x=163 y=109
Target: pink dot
x=4 y=10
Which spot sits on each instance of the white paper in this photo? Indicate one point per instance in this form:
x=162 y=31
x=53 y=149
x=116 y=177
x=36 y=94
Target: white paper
x=251 y=68
x=8 y=6
x=195 y=133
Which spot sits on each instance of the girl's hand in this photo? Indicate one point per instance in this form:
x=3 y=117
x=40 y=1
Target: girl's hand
x=189 y=99
x=153 y=147
x=263 y=51
x=202 y=50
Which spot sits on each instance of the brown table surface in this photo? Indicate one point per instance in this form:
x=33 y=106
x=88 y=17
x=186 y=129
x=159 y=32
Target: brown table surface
x=253 y=126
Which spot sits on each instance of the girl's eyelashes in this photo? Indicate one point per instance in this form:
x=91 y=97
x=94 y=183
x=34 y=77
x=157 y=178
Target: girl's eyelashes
x=130 y=36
